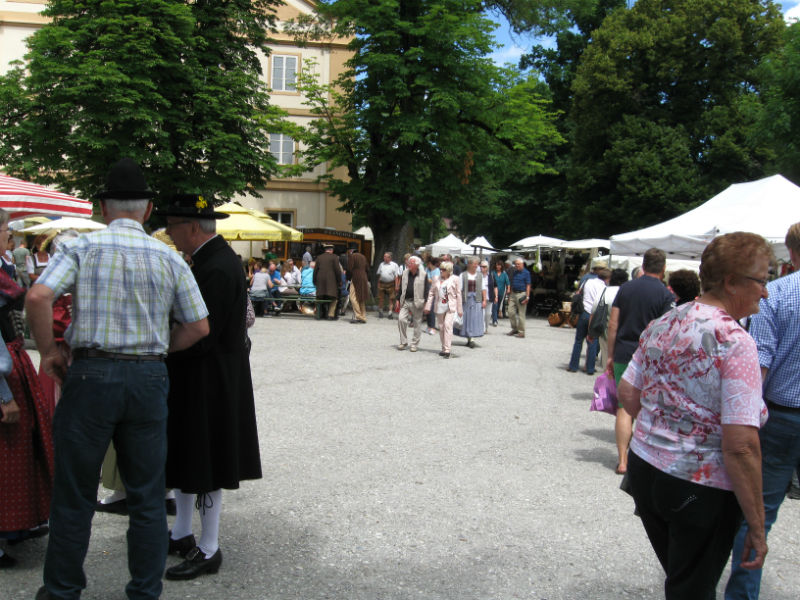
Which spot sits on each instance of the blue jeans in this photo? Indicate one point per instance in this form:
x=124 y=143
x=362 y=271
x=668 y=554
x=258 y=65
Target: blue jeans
x=780 y=456
x=496 y=307
x=104 y=400
x=581 y=329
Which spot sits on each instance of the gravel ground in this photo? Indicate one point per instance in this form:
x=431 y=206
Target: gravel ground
x=392 y=475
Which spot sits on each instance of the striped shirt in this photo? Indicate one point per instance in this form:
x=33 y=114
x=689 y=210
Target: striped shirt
x=776 y=330
x=125 y=287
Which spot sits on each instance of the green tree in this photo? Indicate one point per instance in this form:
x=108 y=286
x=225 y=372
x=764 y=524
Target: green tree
x=660 y=110
x=173 y=84
x=423 y=124
x=777 y=114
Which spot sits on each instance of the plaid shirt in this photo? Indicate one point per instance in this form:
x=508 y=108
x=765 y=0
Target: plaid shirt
x=125 y=284
x=776 y=330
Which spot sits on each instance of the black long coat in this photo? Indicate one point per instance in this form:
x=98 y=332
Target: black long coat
x=212 y=440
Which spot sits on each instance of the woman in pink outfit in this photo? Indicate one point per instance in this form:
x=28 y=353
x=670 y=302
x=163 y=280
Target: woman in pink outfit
x=444 y=300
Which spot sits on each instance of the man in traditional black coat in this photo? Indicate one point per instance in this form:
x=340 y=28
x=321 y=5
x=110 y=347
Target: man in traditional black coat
x=212 y=441
x=328 y=279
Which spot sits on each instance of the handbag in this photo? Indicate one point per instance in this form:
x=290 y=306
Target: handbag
x=458 y=322
x=605 y=395
x=576 y=308
x=599 y=319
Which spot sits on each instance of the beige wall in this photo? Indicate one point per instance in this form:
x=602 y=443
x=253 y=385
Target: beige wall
x=312 y=205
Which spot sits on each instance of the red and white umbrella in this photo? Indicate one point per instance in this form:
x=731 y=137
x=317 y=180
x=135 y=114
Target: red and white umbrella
x=21 y=199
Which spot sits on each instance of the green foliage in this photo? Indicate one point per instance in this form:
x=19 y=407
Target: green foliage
x=660 y=110
x=777 y=116
x=173 y=84
x=422 y=122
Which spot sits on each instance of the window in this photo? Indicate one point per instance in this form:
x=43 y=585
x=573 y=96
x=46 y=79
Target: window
x=282 y=148
x=282 y=217
x=284 y=73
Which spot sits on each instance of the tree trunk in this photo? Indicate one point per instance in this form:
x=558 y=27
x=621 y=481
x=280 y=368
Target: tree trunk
x=397 y=238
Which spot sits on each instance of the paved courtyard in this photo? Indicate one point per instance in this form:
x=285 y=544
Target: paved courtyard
x=392 y=475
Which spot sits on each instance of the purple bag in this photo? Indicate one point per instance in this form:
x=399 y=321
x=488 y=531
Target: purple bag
x=605 y=395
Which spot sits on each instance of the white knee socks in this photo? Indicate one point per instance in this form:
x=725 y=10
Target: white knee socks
x=210 y=507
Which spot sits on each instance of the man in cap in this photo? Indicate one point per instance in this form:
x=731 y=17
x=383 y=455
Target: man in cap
x=125 y=285
x=327 y=279
x=359 y=283
x=212 y=439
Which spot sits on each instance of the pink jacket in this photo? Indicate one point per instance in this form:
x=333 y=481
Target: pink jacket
x=451 y=288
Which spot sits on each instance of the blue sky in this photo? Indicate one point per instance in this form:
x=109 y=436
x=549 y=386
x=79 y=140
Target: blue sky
x=513 y=46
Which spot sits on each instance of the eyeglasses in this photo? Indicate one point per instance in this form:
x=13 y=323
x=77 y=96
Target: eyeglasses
x=761 y=282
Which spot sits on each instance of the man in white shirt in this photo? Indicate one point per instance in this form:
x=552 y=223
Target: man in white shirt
x=592 y=290
x=388 y=278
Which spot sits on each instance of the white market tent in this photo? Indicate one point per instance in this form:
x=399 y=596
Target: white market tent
x=480 y=245
x=449 y=245
x=587 y=244
x=537 y=241
x=767 y=207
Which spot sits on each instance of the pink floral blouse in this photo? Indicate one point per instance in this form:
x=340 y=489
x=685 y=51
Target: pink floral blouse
x=697 y=369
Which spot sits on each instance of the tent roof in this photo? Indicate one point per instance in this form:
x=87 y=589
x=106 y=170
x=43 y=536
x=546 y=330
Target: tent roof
x=449 y=244
x=538 y=240
x=586 y=244
x=767 y=207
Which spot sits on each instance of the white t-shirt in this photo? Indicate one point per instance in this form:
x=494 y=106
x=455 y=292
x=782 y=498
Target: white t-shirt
x=592 y=290
x=388 y=271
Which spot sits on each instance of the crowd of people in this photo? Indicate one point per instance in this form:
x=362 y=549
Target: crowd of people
x=706 y=368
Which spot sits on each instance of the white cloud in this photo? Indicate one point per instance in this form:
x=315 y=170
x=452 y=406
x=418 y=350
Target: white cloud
x=507 y=54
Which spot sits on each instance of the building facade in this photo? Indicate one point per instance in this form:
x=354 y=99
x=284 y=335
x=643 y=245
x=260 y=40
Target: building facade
x=297 y=201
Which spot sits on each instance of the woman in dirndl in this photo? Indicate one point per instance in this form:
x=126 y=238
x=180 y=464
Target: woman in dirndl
x=26 y=439
x=473 y=288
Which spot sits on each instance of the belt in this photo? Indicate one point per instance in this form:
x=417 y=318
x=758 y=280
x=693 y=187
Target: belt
x=781 y=408
x=518 y=291
x=80 y=353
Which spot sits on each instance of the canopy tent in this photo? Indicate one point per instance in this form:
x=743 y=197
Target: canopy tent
x=767 y=207
x=449 y=244
x=75 y=223
x=22 y=198
x=480 y=245
x=270 y=229
x=20 y=224
x=587 y=244
x=537 y=241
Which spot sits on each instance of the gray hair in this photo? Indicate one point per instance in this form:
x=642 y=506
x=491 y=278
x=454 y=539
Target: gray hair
x=484 y=263
x=64 y=236
x=206 y=225
x=472 y=259
x=415 y=259
x=134 y=207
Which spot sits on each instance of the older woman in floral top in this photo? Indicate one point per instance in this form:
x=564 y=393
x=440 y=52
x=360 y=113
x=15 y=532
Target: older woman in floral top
x=694 y=386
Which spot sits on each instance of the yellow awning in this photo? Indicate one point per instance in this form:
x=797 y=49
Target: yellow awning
x=279 y=231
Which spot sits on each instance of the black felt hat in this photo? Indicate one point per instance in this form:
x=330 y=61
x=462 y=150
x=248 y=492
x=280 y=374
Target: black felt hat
x=191 y=205
x=125 y=181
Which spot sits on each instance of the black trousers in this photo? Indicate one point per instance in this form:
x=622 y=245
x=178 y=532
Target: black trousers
x=691 y=528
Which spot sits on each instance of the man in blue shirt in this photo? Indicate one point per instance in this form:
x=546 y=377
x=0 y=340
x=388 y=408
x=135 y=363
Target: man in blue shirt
x=776 y=330
x=519 y=297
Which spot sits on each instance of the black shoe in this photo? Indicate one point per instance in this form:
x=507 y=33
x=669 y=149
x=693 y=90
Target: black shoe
x=446 y=355
x=8 y=562
x=182 y=546
x=442 y=353
x=470 y=344
x=120 y=507
x=172 y=508
x=30 y=534
x=354 y=320
x=43 y=594
x=196 y=564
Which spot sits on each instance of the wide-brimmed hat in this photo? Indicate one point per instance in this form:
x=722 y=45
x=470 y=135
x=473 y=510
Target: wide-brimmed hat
x=190 y=205
x=125 y=181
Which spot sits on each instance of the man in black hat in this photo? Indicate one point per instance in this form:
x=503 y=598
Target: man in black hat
x=327 y=279
x=212 y=438
x=125 y=285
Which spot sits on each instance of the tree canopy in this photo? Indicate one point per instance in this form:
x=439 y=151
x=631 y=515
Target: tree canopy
x=660 y=109
x=422 y=122
x=174 y=85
